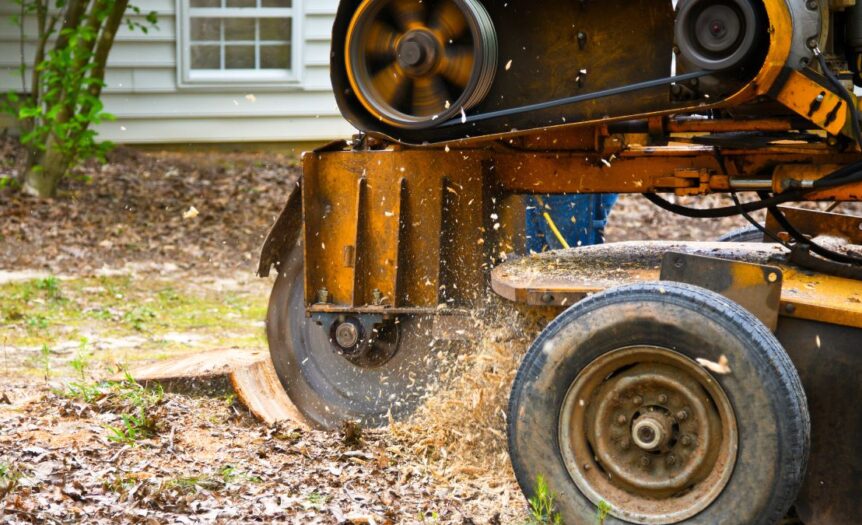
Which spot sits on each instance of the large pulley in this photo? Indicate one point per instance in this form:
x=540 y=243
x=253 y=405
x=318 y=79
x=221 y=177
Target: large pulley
x=416 y=63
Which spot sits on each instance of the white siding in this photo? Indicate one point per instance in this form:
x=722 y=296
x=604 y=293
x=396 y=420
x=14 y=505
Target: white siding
x=143 y=93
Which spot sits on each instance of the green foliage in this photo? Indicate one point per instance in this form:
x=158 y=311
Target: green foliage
x=82 y=359
x=50 y=285
x=138 y=317
x=137 y=421
x=9 y=478
x=543 y=507
x=66 y=80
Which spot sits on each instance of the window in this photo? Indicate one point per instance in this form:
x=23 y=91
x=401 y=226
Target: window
x=239 y=41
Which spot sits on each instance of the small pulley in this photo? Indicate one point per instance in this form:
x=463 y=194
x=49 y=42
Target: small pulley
x=718 y=35
x=417 y=63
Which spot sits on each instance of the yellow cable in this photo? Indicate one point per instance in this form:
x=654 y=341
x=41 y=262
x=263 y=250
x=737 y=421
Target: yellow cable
x=551 y=223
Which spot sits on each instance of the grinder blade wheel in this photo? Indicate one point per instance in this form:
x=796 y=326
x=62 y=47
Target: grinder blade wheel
x=327 y=385
x=415 y=64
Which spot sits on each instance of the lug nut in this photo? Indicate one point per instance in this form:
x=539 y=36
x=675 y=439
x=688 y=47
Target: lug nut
x=622 y=419
x=671 y=460
x=644 y=461
x=637 y=400
x=686 y=441
x=662 y=399
x=624 y=444
x=682 y=415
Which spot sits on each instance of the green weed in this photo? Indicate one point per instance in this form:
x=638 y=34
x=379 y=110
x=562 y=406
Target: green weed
x=316 y=500
x=138 y=317
x=9 y=477
x=81 y=362
x=543 y=507
x=602 y=512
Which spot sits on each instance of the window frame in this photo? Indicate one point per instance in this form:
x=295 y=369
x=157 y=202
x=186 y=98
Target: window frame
x=240 y=78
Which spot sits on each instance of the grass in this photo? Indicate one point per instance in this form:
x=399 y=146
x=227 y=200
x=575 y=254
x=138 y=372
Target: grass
x=134 y=402
x=46 y=313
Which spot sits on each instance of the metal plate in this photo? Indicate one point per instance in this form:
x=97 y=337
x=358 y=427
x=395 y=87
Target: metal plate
x=755 y=287
x=562 y=278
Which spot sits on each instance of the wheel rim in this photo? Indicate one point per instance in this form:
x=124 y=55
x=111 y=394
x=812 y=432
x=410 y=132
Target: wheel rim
x=649 y=432
x=415 y=64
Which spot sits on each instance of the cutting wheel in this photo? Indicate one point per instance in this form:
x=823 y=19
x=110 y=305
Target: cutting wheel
x=418 y=63
x=328 y=387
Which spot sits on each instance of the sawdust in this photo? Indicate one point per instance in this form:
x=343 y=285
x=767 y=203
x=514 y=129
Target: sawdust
x=460 y=429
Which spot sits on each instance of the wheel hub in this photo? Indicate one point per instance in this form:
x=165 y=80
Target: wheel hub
x=650 y=432
x=418 y=52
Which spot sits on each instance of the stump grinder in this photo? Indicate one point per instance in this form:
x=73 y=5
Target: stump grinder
x=676 y=382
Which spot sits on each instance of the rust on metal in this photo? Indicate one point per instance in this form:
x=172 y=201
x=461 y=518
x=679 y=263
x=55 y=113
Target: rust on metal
x=648 y=431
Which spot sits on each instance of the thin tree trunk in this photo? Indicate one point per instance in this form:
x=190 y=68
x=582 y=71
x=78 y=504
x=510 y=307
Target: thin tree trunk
x=42 y=180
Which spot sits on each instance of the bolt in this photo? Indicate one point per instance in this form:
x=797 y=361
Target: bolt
x=682 y=415
x=790 y=308
x=832 y=141
x=377 y=296
x=547 y=298
x=820 y=98
x=686 y=441
x=644 y=461
x=812 y=43
x=323 y=295
x=671 y=460
x=812 y=5
x=860 y=226
x=582 y=39
x=637 y=400
x=622 y=419
x=587 y=466
x=662 y=399
x=347 y=335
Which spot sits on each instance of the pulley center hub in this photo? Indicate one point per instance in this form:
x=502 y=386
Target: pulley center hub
x=418 y=52
x=719 y=28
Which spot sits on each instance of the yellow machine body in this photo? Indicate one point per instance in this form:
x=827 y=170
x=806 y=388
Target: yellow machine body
x=417 y=218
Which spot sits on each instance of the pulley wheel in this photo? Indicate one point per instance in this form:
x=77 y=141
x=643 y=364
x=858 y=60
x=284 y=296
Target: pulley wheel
x=717 y=34
x=417 y=63
x=326 y=385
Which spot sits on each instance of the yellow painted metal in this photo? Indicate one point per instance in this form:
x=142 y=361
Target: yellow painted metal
x=396 y=230
x=814 y=102
x=563 y=278
x=820 y=297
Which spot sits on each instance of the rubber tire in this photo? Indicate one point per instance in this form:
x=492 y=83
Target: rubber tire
x=326 y=387
x=744 y=234
x=763 y=388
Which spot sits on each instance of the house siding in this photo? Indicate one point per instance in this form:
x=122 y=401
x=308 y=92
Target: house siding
x=144 y=95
